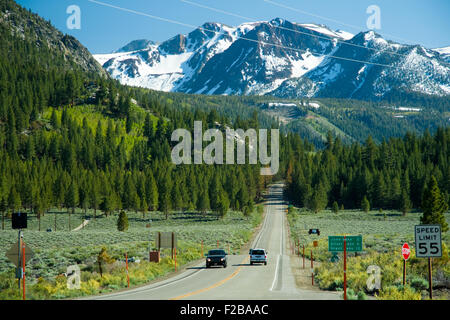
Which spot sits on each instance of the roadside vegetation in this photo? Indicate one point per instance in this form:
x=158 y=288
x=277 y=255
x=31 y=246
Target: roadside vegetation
x=55 y=251
x=383 y=236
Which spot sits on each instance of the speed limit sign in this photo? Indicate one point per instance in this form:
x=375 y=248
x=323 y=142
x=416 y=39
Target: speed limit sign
x=428 y=241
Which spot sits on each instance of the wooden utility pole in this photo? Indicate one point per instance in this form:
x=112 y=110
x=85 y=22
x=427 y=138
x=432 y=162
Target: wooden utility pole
x=173 y=243
x=303 y=256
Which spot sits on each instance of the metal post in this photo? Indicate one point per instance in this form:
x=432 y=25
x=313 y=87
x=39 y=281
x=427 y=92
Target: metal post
x=430 y=278
x=404 y=272
x=175 y=259
x=202 y=249
x=345 y=269
x=19 y=247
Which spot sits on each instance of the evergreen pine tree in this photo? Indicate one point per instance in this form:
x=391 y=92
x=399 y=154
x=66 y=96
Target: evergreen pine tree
x=3 y=208
x=54 y=121
x=335 y=207
x=318 y=200
x=203 y=201
x=365 y=205
x=72 y=199
x=151 y=190
x=14 y=201
x=405 y=203
x=223 y=205
x=122 y=221
x=434 y=206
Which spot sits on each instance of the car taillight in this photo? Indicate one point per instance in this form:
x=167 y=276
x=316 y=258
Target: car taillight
x=265 y=257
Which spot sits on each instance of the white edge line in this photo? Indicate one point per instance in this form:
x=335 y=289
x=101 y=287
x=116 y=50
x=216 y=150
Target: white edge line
x=143 y=289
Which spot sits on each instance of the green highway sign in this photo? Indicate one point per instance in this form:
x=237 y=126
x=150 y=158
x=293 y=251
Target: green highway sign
x=353 y=243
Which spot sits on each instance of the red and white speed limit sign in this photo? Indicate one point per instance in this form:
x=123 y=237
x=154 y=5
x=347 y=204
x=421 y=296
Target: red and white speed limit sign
x=406 y=251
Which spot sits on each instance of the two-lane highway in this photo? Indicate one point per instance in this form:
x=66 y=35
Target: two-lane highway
x=239 y=280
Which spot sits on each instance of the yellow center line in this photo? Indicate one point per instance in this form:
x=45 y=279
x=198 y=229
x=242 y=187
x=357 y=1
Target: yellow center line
x=214 y=285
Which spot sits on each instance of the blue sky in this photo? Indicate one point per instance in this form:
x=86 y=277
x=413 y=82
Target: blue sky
x=104 y=29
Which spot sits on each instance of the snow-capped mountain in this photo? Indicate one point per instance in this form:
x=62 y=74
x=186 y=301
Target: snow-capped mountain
x=444 y=52
x=280 y=58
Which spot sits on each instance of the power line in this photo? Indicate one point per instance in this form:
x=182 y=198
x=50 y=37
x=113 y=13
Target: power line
x=325 y=18
x=290 y=29
x=240 y=37
x=142 y=14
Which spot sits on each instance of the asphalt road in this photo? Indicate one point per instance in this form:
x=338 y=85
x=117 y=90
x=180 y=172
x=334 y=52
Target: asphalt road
x=239 y=280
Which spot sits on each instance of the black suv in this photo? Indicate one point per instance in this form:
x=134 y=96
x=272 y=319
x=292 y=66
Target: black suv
x=216 y=257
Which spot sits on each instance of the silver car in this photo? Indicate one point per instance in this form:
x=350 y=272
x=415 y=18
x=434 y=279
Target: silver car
x=258 y=256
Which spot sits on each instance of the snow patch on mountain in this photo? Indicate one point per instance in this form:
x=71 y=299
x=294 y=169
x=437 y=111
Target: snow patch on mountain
x=218 y=59
x=307 y=63
x=326 y=31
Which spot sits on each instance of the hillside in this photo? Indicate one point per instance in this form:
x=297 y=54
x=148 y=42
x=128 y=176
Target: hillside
x=19 y=23
x=70 y=136
x=76 y=145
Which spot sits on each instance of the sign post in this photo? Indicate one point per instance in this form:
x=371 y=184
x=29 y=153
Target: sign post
x=312 y=268
x=166 y=240
x=19 y=246
x=430 y=277
x=345 y=244
x=405 y=253
x=428 y=245
x=345 y=269
x=23 y=266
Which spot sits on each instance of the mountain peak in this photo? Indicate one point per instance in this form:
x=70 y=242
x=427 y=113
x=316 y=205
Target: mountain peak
x=277 y=22
x=135 y=45
x=304 y=60
x=174 y=45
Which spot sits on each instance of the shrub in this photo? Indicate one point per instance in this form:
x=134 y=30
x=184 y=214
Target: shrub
x=399 y=293
x=351 y=295
x=419 y=283
x=362 y=295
